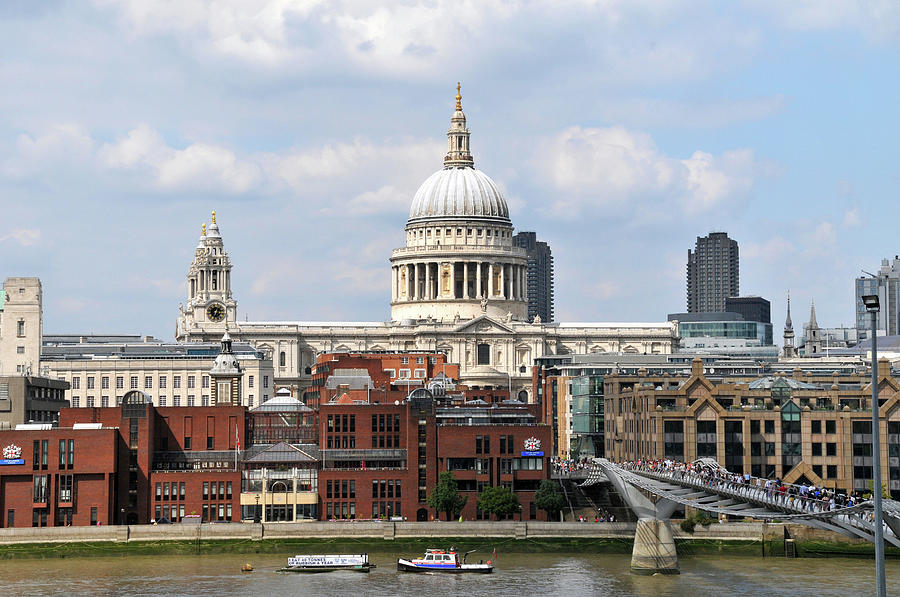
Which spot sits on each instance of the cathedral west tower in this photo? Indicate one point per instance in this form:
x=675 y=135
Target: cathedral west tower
x=210 y=304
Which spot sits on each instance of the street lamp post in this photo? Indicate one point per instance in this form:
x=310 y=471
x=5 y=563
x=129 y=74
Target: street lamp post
x=872 y=306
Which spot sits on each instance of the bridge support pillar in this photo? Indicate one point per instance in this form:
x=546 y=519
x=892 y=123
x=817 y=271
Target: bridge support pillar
x=654 y=548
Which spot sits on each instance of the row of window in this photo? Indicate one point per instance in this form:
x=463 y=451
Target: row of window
x=176 y=493
x=148 y=382
x=459 y=232
x=340 y=488
x=91 y=401
x=404 y=374
x=483 y=444
x=41 y=454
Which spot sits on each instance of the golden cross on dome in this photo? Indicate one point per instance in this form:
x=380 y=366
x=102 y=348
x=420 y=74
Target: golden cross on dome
x=203 y=229
x=458 y=97
x=214 y=216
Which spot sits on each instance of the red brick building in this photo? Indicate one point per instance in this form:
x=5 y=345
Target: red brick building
x=171 y=461
x=383 y=460
x=58 y=476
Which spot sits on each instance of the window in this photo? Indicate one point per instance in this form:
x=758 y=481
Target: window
x=90 y=383
x=20 y=350
x=404 y=374
x=176 y=382
x=20 y=328
x=104 y=382
x=831 y=449
x=249 y=381
x=484 y=354
x=420 y=360
x=192 y=381
x=120 y=383
x=265 y=381
x=754 y=426
x=162 y=382
x=404 y=360
x=148 y=382
x=816 y=449
x=831 y=471
x=134 y=382
x=205 y=381
x=392 y=373
x=282 y=359
x=770 y=426
x=830 y=426
x=209 y=443
x=420 y=373
x=816 y=427
x=76 y=383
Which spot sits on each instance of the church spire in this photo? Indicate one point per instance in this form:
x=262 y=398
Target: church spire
x=787 y=323
x=458 y=154
x=788 y=332
x=812 y=316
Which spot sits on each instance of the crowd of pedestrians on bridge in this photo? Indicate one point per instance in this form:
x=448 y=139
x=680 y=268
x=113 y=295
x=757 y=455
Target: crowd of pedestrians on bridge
x=570 y=466
x=799 y=498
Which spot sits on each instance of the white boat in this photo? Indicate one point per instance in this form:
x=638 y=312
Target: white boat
x=328 y=563
x=443 y=560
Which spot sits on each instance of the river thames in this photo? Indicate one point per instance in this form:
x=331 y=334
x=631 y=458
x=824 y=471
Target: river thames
x=516 y=574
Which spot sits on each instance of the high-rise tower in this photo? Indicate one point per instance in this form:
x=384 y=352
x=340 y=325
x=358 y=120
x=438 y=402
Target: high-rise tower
x=540 y=275
x=713 y=273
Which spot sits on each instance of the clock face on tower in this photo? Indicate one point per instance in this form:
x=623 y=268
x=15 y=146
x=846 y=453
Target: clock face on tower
x=215 y=312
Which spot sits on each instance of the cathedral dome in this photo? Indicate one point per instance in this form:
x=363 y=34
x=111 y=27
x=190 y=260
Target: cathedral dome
x=459 y=193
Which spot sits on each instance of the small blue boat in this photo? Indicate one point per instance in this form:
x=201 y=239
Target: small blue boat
x=443 y=560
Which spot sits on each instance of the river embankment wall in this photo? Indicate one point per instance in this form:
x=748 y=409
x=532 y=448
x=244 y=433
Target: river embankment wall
x=388 y=531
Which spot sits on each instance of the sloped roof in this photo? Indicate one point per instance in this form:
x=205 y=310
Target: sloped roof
x=287 y=453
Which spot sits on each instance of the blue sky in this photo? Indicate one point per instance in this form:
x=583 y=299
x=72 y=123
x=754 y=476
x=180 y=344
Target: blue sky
x=620 y=130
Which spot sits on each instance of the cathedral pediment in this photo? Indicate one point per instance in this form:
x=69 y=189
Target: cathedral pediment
x=483 y=325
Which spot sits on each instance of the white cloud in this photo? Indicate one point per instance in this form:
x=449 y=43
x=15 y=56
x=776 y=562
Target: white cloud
x=198 y=166
x=613 y=167
x=359 y=177
x=775 y=249
x=25 y=237
x=852 y=218
x=629 y=40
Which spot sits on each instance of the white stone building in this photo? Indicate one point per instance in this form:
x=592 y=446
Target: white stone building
x=458 y=286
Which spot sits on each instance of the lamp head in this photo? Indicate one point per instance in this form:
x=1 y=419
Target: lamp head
x=871 y=302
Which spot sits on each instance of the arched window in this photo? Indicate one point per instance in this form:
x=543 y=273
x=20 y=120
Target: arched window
x=281 y=359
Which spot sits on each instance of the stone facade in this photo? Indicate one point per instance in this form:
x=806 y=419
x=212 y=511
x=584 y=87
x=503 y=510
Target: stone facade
x=21 y=304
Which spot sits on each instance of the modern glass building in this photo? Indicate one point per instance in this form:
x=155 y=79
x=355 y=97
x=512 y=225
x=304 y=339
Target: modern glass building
x=587 y=417
x=722 y=325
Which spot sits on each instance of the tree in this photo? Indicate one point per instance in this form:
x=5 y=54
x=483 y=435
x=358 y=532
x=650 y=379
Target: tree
x=499 y=501
x=445 y=496
x=549 y=498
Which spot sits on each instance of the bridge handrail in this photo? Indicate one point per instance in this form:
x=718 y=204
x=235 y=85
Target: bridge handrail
x=791 y=505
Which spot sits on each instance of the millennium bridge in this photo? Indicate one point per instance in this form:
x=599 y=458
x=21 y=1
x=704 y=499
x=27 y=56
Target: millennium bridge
x=654 y=490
